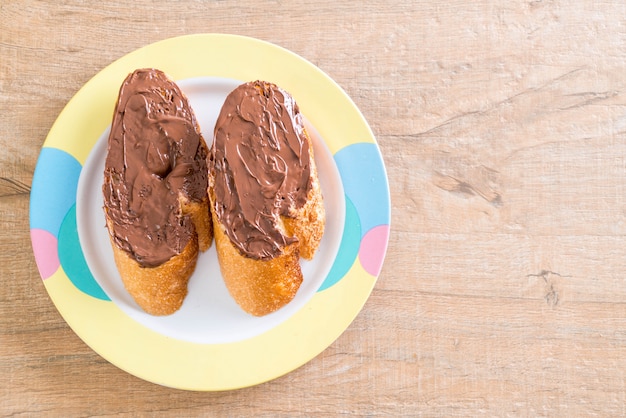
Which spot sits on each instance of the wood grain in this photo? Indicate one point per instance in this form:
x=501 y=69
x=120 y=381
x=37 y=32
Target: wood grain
x=503 y=130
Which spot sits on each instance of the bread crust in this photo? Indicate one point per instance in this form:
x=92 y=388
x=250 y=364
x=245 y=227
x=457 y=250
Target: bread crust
x=161 y=290
x=307 y=223
x=262 y=287
x=258 y=287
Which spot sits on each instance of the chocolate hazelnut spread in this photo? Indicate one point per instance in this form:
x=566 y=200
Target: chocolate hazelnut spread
x=155 y=156
x=260 y=167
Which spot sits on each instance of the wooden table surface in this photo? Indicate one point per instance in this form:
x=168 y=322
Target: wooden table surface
x=502 y=125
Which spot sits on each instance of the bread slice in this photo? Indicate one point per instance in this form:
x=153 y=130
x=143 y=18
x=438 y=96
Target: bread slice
x=155 y=191
x=265 y=196
x=157 y=290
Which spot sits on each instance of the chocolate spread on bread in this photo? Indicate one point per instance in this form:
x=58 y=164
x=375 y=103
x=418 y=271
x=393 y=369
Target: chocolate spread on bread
x=260 y=166
x=154 y=158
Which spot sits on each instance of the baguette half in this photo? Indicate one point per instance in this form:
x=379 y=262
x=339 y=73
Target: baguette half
x=264 y=220
x=155 y=191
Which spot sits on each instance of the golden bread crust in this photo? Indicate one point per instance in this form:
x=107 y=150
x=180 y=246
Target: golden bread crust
x=258 y=287
x=309 y=221
x=161 y=290
x=158 y=290
x=262 y=287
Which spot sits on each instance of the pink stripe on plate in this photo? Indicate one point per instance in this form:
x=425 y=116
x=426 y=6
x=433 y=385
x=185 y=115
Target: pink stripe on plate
x=45 y=247
x=373 y=248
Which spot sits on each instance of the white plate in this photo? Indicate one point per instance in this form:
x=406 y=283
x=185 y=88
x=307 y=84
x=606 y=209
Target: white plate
x=210 y=344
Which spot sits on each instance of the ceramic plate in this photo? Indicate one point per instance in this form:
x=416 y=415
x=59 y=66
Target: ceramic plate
x=209 y=344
